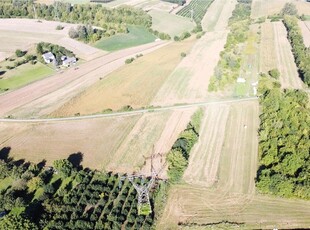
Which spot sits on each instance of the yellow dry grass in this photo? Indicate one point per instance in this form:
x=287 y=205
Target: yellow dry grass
x=267 y=48
x=289 y=77
x=97 y=139
x=134 y=84
x=261 y=8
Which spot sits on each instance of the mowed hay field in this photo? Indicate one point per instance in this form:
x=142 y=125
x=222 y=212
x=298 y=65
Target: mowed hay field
x=305 y=29
x=120 y=144
x=134 y=84
x=23 y=33
x=189 y=81
x=97 y=139
x=268 y=56
x=170 y=23
x=276 y=53
x=219 y=181
x=261 y=8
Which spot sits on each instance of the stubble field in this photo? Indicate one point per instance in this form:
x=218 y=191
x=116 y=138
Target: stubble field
x=305 y=29
x=134 y=84
x=219 y=181
x=263 y=8
x=23 y=33
x=276 y=53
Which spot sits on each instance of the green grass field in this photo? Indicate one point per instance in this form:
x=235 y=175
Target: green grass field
x=23 y=75
x=137 y=36
x=170 y=23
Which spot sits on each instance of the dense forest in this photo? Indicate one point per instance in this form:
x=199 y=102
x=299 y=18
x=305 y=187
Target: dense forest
x=228 y=67
x=68 y=197
x=300 y=51
x=110 y=21
x=283 y=140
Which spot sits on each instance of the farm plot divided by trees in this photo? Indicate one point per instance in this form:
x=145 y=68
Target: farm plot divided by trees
x=197 y=8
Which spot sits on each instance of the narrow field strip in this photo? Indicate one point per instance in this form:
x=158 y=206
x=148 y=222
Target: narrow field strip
x=268 y=56
x=285 y=60
x=205 y=157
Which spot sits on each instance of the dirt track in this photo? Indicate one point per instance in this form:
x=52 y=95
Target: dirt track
x=45 y=96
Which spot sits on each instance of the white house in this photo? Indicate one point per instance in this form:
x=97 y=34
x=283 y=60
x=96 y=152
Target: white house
x=241 y=80
x=48 y=57
x=69 y=61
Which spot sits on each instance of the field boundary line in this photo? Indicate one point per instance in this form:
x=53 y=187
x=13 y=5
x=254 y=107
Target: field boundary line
x=129 y=113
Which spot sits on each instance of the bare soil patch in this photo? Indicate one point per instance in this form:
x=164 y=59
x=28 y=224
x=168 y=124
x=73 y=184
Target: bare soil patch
x=135 y=84
x=45 y=96
x=285 y=60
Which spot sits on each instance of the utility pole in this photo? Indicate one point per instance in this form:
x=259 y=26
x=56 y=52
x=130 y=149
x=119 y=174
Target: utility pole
x=144 y=205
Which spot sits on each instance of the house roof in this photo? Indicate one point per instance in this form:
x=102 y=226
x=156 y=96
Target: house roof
x=69 y=60
x=48 y=55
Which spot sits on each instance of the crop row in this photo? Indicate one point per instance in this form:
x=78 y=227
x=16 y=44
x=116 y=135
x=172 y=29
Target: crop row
x=196 y=9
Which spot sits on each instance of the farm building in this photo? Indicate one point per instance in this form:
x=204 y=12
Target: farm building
x=69 y=61
x=48 y=57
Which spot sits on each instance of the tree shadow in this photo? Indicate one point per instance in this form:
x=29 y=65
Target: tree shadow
x=2 y=72
x=4 y=154
x=42 y=164
x=76 y=159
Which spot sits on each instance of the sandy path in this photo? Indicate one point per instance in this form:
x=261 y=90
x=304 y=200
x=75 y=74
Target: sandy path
x=97 y=139
x=23 y=32
x=305 y=29
x=44 y=96
x=285 y=60
x=216 y=17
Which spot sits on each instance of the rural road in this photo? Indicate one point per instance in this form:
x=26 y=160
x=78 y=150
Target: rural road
x=128 y=113
x=64 y=85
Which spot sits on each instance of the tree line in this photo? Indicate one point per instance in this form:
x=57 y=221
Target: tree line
x=300 y=51
x=283 y=140
x=228 y=67
x=110 y=21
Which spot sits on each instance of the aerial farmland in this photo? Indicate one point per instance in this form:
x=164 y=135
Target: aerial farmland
x=154 y=114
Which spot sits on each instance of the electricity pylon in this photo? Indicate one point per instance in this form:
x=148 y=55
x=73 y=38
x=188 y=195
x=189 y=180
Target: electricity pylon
x=144 y=205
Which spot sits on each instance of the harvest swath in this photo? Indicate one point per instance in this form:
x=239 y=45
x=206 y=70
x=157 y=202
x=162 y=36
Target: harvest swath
x=197 y=8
